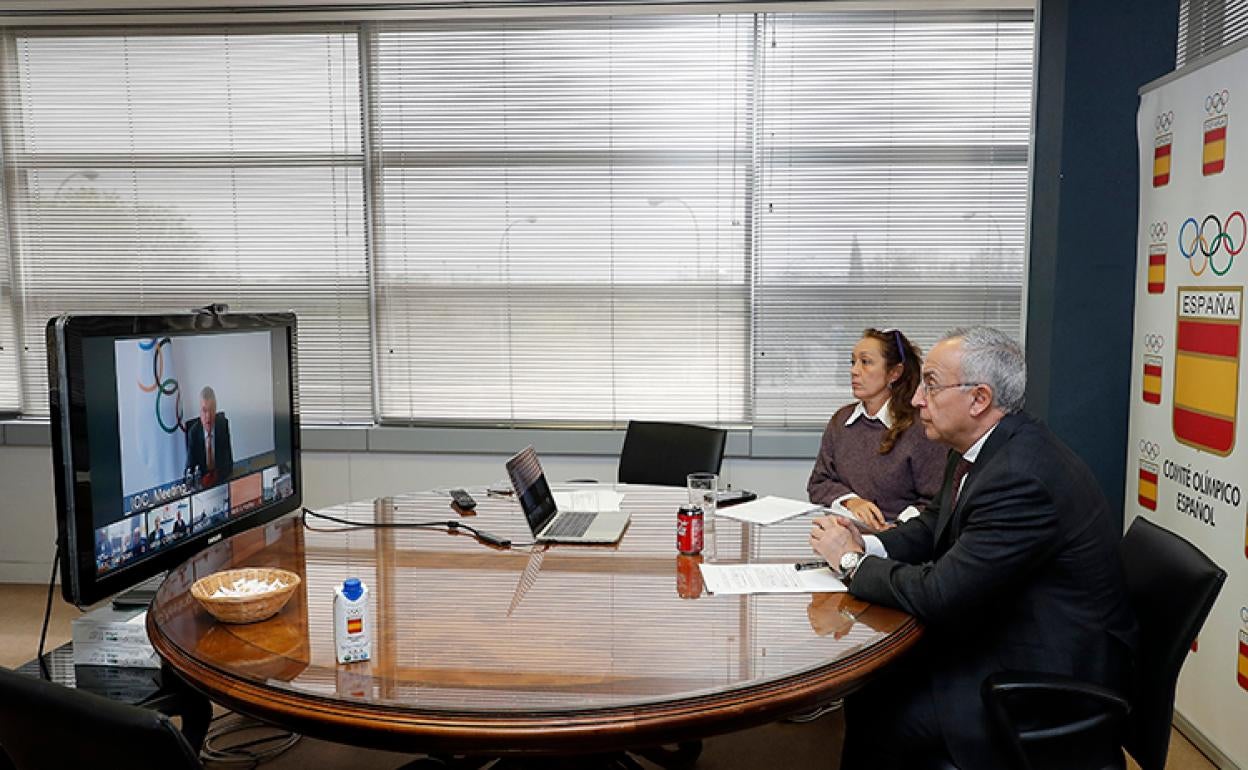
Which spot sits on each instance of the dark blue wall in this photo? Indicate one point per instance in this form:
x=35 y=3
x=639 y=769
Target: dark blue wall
x=1093 y=56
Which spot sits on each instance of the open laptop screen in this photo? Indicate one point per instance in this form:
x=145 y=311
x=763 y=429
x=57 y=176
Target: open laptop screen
x=534 y=493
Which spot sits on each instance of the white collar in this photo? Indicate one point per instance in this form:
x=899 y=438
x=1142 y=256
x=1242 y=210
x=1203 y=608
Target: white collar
x=972 y=454
x=883 y=415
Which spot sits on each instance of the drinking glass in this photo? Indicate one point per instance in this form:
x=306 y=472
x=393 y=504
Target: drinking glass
x=702 y=493
x=702 y=488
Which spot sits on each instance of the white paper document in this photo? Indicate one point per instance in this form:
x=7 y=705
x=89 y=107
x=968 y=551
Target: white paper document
x=769 y=510
x=768 y=579
x=589 y=500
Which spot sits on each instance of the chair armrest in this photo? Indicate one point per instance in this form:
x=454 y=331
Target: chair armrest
x=1040 y=706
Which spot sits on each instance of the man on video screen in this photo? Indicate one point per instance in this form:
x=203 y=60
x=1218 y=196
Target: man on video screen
x=208 y=452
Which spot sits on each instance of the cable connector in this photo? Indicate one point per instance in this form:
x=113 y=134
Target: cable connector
x=490 y=539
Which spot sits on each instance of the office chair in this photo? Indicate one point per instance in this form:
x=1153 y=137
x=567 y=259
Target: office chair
x=665 y=453
x=45 y=726
x=1054 y=722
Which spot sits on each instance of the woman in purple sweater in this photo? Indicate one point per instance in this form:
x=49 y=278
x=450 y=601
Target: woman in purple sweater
x=875 y=460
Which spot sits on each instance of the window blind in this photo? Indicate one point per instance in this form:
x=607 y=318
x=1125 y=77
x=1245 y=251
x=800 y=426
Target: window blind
x=161 y=170
x=892 y=192
x=10 y=354
x=560 y=235
x=571 y=221
x=1207 y=26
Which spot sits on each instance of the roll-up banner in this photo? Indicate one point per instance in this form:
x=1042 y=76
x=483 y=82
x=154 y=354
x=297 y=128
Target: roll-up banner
x=1187 y=457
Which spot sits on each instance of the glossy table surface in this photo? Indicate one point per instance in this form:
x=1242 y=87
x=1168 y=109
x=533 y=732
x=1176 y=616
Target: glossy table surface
x=530 y=649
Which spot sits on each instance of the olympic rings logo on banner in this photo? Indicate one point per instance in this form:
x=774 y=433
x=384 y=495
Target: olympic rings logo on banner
x=1199 y=238
x=1157 y=231
x=1153 y=343
x=1149 y=449
x=1163 y=122
x=162 y=386
x=1216 y=101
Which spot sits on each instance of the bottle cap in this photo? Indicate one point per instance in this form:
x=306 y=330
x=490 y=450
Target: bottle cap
x=352 y=589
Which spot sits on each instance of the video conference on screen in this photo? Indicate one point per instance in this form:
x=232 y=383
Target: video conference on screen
x=197 y=439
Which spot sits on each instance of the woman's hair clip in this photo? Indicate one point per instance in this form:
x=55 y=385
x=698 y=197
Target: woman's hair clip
x=901 y=348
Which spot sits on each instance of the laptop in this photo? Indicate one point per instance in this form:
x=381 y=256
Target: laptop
x=549 y=524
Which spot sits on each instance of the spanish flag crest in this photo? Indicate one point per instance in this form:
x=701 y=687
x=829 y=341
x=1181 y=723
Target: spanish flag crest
x=1152 y=379
x=1213 y=157
x=1243 y=659
x=1153 y=363
x=1157 y=257
x=1161 y=149
x=1206 y=367
x=1148 y=485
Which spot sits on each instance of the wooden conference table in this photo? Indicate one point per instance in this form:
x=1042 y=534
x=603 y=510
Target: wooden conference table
x=544 y=650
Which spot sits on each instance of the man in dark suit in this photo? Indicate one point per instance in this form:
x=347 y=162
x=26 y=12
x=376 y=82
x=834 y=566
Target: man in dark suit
x=179 y=526
x=1014 y=566
x=208 y=448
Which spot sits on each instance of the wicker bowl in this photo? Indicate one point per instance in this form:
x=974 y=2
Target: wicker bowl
x=245 y=609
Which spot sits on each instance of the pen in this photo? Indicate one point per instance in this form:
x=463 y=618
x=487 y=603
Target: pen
x=801 y=565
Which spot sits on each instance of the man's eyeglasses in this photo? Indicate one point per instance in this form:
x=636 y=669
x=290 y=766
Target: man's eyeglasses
x=930 y=388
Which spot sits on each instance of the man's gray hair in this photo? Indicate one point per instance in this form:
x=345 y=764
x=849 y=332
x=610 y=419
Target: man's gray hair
x=208 y=394
x=992 y=357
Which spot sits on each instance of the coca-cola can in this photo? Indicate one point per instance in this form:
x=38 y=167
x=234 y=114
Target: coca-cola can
x=689 y=529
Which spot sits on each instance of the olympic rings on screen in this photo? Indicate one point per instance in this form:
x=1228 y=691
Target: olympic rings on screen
x=161 y=385
x=1217 y=100
x=1149 y=449
x=1208 y=241
x=1163 y=122
x=1157 y=230
x=1153 y=343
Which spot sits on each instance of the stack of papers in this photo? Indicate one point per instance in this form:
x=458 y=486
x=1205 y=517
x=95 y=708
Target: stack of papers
x=110 y=637
x=768 y=579
x=769 y=510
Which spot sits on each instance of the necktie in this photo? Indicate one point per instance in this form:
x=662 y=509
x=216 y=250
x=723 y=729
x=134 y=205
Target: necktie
x=959 y=473
x=212 y=460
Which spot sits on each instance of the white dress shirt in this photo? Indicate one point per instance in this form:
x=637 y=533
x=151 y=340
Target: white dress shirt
x=872 y=543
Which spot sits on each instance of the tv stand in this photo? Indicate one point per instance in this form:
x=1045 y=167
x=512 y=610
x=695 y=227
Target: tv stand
x=139 y=596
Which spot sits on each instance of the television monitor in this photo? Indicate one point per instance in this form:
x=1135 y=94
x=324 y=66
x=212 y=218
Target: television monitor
x=169 y=432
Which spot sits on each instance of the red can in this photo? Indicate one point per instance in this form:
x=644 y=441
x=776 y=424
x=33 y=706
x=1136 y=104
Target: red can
x=689 y=529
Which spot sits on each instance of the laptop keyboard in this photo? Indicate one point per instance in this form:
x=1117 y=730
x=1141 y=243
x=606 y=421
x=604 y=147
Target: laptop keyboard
x=571 y=525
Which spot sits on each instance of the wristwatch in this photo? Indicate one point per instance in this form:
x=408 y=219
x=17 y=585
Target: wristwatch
x=849 y=564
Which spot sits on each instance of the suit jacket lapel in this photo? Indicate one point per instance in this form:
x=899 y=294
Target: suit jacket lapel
x=1005 y=429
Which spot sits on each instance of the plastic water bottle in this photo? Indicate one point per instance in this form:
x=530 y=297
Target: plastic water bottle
x=352 y=627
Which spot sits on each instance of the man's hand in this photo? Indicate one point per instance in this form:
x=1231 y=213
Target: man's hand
x=865 y=511
x=831 y=537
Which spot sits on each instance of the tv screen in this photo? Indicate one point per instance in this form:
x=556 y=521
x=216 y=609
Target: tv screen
x=169 y=432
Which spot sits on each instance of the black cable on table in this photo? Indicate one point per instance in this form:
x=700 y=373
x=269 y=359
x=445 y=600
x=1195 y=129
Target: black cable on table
x=450 y=525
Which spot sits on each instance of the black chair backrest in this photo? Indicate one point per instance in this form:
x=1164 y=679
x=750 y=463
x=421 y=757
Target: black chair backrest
x=666 y=452
x=1172 y=586
x=46 y=725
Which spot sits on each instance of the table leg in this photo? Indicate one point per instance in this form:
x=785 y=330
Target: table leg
x=683 y=755
x=176 y=698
